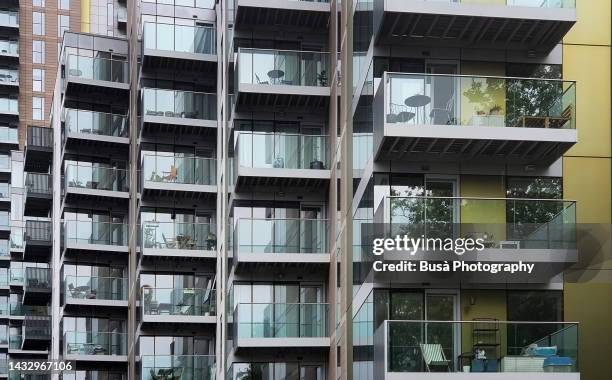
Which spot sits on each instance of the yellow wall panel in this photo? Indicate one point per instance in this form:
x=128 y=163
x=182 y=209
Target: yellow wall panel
x=593 y=26
x=587 y=180
x=589 y=66
x=477 y=304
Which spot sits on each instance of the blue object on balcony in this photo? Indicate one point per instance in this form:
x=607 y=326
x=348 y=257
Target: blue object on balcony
x=558 y=364
x=484 y=365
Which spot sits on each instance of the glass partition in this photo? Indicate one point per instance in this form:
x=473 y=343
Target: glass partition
x=185 y=302
x=95 y=123
x=103 y=69
x=9 y=17
x=96 y=176
x=501 y=223
x=413 y=346
x=176 y=235
x=281 y=320
x=281 y=236
x=180 y=38
x=90 y=232
x=95 y=343
x=92 y=288
x=9 y=47
x=281 y=150
x=179 y=104
x=283 y=67
x=8 y=105
x=155 y=367
x=176 y=169
x=420 y=99
x=9 y=76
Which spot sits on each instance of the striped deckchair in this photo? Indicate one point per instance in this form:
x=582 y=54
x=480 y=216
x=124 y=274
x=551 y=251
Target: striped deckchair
x=433 y=356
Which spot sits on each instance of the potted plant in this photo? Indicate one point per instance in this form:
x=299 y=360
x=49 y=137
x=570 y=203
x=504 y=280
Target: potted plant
x=495 y=110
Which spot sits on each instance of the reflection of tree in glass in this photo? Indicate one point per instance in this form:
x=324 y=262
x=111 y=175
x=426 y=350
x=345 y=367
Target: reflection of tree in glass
x=253 y=372
x=417 y=215
x=486 y=93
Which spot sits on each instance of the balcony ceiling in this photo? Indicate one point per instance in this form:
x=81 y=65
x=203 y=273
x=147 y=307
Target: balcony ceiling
x=249 y=15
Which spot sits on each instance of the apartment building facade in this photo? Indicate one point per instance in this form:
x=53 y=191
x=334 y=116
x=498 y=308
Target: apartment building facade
x=198 y=207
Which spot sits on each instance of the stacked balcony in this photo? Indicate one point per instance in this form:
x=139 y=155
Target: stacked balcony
x=173 y=176
x=37 y=285
x=93 y=76
x=178 y=112
x=403 y=350
x=95 y=292
x=281 y=243
x=280 y=159
x=302 y=14
x=93 y=346
x=178 y=240
x=9 y=80
x=9 y=49
x=532 y=25
x=37 y=239
x=281 y=78
x=84 y=236
x=441 y=118
x=179 y=47
x=39 y=193
x=184 y=306
x=97 y=130
x=38 y=149
x=287 y=325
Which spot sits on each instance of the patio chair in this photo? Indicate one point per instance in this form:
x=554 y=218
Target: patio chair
x=171 y=175
x=433 y=356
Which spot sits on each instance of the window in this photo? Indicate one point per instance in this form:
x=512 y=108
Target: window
x=38 y=108
x=38 y=51
x=63 y=4
x=38 y=23
x=38 y=80
x=63 y=24
x=38 y=3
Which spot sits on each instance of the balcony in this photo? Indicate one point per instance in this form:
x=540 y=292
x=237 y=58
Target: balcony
x=95 y=292
x=95 y=346
x=280 y=159
x=172 y=176
x=513 y=350
x=281 y=79
x=37 y=285
x=302 y=14
x=154 y=367
x=5 y=253
x=179 y=47
x=185 y=306
x=39 y=194
x=96 y=76
x=538 y=231
x=9 y=50
x=9 y=21
x=38 y=149
x=18 y=311
x=281 y=242
x=281 y=325
x=9 y=79
x=85 y=129
x=9 y=110
x=96 y=183
x=9 y=137
x=532 y=25
x=429 y=118
x=5 y=223
x=36 y=333
x=173 y=240
x=5 y=192
x=177 y=112
x=81 y=236
x=37 y=239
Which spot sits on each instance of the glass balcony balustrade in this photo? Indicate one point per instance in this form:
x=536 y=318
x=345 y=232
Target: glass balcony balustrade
x=96 y=177
x=457 y=100
x=96 y=68
x=501 y=223
x=281 y=320
x=281 y=150
x=177 y=235
x=95 y=288
x=98 y=233
x=504 y=346
x=281 y=236
x=79 y=343
x=283 y=67
x=180 y=38
x=180 y=170
x=95 y=123
x=179 y=104
x=179 y=302
x=179 y=367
